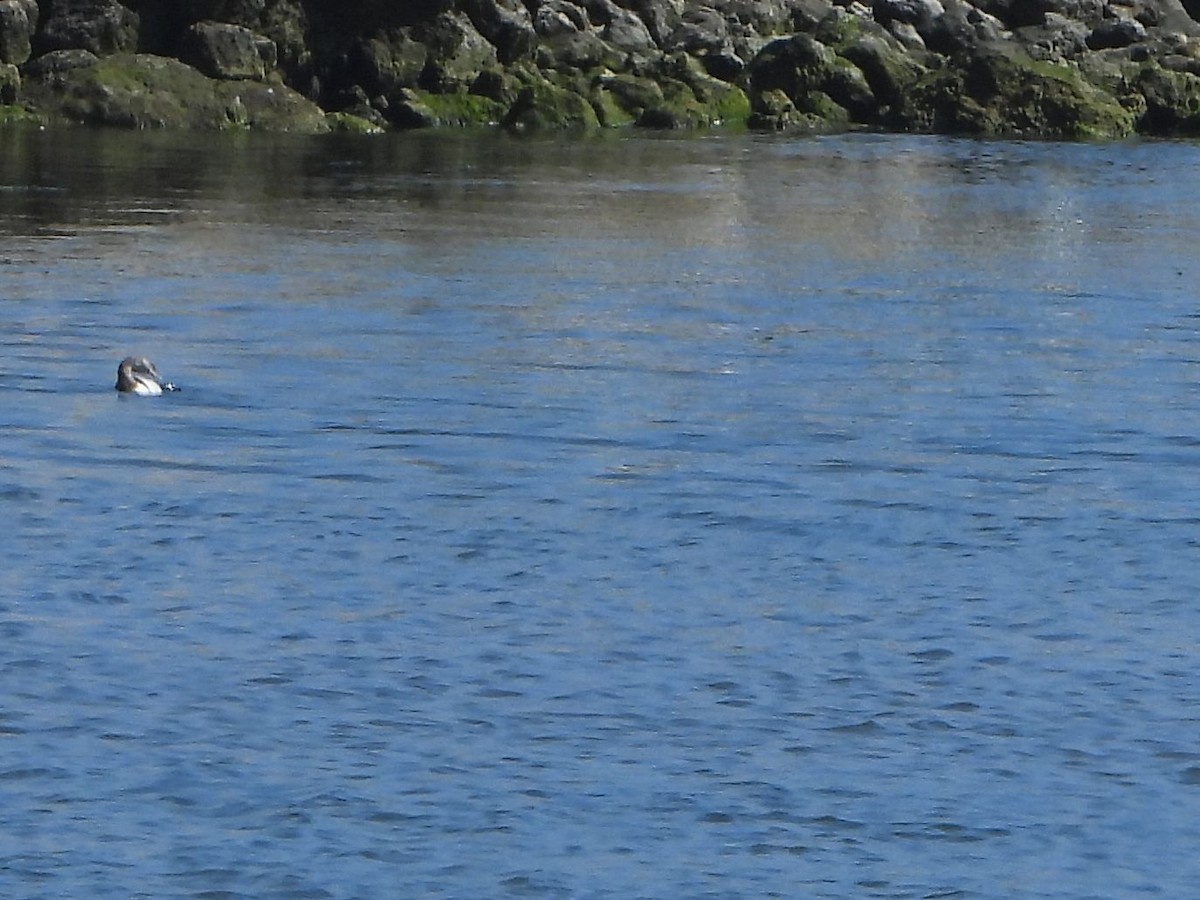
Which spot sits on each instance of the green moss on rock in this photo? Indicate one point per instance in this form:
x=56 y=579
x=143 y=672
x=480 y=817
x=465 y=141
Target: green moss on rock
x=11 y=114
x=145 y=91
x=544 y=106
x=461 y=109
x=1171 y=101
x=1007 y=93
x=348 y=123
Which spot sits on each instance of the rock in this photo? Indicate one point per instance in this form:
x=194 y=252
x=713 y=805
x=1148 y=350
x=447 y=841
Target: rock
x=1058 y=40
x=229 y=51
x=796 y=65
x=544 y=106
x=408 y=109
x=700 y=31
x=773 y=110
x=581 y=51
x=383 y=64
x=627 y=32
x=351 y=124
x=661 y=17
x=559 y=17
x=960 y=29
x=144 y=91
x=1116 y=33
x=100 y=26
x=420 y=109
x=690 y=96
x=805 y=15
x=10 y=84
x=678 y=109
x=18 y=19
x=457 y=53
x=1001 y=91
x=913 y=12
x=1046 y=68
x=1172 y=101
x=848 y=88
x=908 y=36
x=632 y=93
x=498 y=84
x=57 y=64
x=890 y=72
x=725 y=65
x=1175 y=62
x=506 y=24
x=828 y=90
x=1023 y=13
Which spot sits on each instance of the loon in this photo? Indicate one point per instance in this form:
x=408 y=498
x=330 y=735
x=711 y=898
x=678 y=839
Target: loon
x=137 y=375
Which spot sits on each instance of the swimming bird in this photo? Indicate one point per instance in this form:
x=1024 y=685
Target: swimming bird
x=137 y=375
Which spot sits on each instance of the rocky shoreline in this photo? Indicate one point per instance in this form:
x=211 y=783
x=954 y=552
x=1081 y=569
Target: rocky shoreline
x=1064 y=69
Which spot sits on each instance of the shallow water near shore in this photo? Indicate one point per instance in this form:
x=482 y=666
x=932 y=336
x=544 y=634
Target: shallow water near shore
x=654 y=517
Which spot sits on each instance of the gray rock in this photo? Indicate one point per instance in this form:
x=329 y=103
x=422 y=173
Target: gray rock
x=660 y=17
x=961 y=28
x=906 y=33
x=10 y=84
x=558 y=17
x=506 y=24
x=102 y=26
x=1116 y=33
x=797 y=66
x=600 y=12
x=1058 y=40
x=145 y=91
x=889 y=71
x=18 y=19
x=230 y=52
x=407 y=110
x=580 y=51
x=457 y=53
x=384 y=64
x=1175 y=62
x=626 y=31
x=807 y=14
x=57 y=63
x=701 y=30
x=632 y=93
x=1023 y=13
x=914 y=12
x=848 y=88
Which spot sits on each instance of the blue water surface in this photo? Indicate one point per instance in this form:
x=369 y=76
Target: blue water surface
x=676 y=517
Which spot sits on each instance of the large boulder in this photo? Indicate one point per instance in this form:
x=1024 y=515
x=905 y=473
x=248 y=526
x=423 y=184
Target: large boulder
x=578 y=51
x=1003 y=92
x=457 y=53
x=889 y=71
x=383 y=64
x=18 y=19
x=506 y=24
x=627 y=32
x=797 y=66
x=10 y=84
x=544 y=106
x=144 y=91
x=229 y=51
x=1022 y=13
x=558 y=17
x=1172 y=101
x=100 y=26
x=661 y=17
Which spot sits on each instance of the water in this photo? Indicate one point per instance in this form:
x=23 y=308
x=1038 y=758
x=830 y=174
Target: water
x=632 y=518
